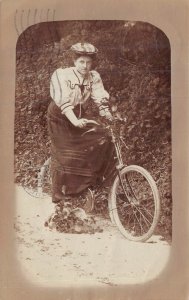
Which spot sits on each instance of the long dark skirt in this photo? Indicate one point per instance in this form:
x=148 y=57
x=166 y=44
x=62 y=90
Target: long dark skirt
x=79 y=159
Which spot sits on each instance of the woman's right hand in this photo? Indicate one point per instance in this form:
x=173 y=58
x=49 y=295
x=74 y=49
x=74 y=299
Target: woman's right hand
x=81 y=123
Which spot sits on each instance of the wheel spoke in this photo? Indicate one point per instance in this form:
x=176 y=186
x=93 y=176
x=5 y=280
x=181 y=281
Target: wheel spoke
x=143 y=216
x=142 y=227
x=138 y=221
x=147 y=211
x=129 y=219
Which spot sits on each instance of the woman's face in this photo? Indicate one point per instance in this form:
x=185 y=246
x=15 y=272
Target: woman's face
x=83 y=64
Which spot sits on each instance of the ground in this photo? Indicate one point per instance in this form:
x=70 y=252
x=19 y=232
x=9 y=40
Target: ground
x=57 y=259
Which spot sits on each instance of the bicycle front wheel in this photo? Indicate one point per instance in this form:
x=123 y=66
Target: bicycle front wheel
x=134 y=203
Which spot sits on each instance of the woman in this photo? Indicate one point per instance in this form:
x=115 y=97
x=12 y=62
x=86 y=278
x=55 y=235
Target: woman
x=79 y=157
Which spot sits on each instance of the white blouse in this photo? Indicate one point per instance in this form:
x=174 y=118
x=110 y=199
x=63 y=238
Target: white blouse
x=69 y=88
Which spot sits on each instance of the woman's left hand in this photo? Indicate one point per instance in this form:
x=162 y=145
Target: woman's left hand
x=109 y=116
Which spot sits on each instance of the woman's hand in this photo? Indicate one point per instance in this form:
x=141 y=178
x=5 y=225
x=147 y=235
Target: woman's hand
x=106 y=114
x=109 y=116
x=83 y=122
x=78 y=122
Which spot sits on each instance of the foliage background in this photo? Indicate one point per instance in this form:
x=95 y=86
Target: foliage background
x=134 y=63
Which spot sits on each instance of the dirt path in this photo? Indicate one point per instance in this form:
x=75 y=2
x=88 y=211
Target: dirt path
x=57 y=259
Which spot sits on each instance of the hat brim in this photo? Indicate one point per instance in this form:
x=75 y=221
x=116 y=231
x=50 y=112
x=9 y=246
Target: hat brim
x=84 y=52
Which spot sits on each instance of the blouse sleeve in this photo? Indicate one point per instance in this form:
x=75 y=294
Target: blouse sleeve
x=99 y=95
x=60 y=90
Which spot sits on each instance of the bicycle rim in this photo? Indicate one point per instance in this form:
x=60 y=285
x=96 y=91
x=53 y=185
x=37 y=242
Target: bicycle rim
x=40 y=185
x=134 y=203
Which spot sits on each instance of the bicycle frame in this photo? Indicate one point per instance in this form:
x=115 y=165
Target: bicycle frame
x=121 y=165
x=115 y=141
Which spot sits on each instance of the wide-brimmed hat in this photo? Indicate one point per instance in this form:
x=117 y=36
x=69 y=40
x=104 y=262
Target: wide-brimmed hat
x=84 y=49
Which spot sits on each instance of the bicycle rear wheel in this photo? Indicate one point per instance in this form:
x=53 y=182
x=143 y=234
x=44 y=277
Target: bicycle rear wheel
x=134 y=203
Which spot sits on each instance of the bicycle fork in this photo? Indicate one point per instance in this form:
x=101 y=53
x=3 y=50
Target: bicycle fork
x=119 y=167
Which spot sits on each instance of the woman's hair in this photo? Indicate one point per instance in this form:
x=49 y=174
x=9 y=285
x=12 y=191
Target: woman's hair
x=77 y=55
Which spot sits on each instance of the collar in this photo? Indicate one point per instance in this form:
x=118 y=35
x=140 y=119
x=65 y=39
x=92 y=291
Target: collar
x=82 y=79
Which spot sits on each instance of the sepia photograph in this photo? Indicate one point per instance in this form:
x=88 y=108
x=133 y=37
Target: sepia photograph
x=92 y=150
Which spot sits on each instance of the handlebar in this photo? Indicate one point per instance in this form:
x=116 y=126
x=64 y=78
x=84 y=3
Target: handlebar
x=117 y=120
x=106 y=125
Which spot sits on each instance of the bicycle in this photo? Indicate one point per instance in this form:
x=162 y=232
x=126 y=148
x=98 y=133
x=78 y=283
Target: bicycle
x=133 y=202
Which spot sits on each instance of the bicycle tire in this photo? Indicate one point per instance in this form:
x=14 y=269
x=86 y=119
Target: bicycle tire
x=45 y=177
x=40 y=175
x=127 y=204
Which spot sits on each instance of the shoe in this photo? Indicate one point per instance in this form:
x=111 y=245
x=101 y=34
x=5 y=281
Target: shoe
x=58 y=197
x=89 y=203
